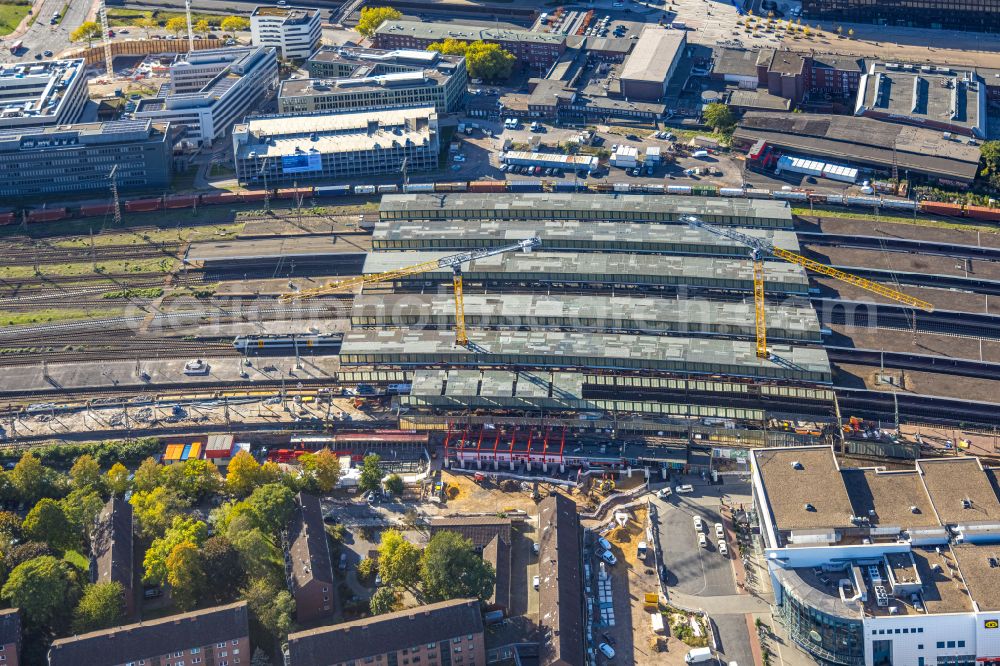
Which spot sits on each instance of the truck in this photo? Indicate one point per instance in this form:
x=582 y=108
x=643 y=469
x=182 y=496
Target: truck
x=698 y=656
x=641 y=552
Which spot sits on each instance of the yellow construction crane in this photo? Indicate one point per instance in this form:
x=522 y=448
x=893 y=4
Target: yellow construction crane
x=453 y=261
x=761 y=248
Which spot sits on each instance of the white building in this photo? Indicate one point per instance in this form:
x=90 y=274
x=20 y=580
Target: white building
x=875 y=567
x=294 y=31
x=625 y=157
x=278 y=150
x=550 y=160
x=212 y=90
x=36 y=94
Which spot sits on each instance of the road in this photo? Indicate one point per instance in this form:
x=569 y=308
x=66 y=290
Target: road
x=41 y=36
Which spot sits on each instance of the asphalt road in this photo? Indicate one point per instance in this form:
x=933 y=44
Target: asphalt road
x=691 y=568
x=42 y=36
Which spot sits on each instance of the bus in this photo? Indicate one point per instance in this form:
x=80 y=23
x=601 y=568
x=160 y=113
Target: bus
x=16 y=47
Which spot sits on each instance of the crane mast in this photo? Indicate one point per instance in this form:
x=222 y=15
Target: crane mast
x=102 y=16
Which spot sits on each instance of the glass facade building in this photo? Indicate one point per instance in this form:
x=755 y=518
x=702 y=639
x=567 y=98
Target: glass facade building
x=975 y=15
x=819 y=627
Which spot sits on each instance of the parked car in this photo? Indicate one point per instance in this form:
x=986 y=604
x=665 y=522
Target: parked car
x=604 y=543
x=697 y=523
x=702 y=541
x=536 y=581
x=720 y=531
x=632 y=137
x=607 y=650
x=609 y=557
x=684 y=489
x=664 y=493
x=723 y=548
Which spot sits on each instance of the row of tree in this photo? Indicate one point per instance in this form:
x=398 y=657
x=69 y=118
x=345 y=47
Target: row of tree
x=88 y=31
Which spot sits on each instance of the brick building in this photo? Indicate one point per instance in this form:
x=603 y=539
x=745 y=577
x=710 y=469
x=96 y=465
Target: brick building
x=10 y=637
x=217 y=636
x=560 y=596
x=449 y=633
x=492 y=539
x=112 y=550
x=308 y=564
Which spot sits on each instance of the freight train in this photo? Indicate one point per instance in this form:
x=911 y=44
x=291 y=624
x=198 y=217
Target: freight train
x=189 y=201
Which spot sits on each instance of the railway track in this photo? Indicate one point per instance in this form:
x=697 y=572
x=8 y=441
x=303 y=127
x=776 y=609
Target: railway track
x=921 y=362
x=883 y=407
x=84 y=349
x=24 y=255
x=866 y=314
x=900 y=245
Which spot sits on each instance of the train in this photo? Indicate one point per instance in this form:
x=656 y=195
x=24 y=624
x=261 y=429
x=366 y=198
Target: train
x=246 y=344
x=799 y=197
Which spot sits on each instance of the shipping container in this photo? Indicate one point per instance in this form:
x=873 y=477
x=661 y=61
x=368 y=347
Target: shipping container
x=252 y=195
x=525 y=186
x=568 y=187
x=419 y=187
x=836 y=199
x=488 y=186
x=983 y=213
x=47 y=214
x=220 y=198
x=451 y=187
x=143 y=205
x=818 y=198
x=96 y=210
x=333 y=190
x=705 y=190
x=621 y=187
x=941 y=208
x=678 y=189
x=754 y=193
x=654 y=189
x=364 y=189
x=180 y=201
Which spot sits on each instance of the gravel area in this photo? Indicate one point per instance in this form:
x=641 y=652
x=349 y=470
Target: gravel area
x=847 y=375
x=903 y=341
x=840 y=225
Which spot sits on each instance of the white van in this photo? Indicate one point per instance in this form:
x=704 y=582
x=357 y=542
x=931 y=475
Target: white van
x=698 y=656
x=699 y=154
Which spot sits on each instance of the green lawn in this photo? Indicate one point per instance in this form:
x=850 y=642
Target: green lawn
x=922 y=221
x=127 y=17
x=47 y=316
x=137 y=266
x=11 y=16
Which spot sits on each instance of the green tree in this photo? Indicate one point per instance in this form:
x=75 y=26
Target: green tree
x=394 y=484
x=42 y=588
x=146 y=24
x=221 y=562
x=322 y=469
x=46 y=522
x=373 y=17
x=260 y=659
x=23 y=552
x=451 y=569
x=398 y=560
x=154 y=510
x=450 y=46
x=28 y=478
x=10 y=529
x=235 y=24
x=271 y=605
x=202 y=27
x=182 y=530
x=100 y=607
x=185 y=575
x=87 y=32
x=243 y=473
x=489 y=62
x=371 y=474
x=719 y=116
x=117 y=481
x=990 y=159
x=82 y=507
x=194 y=479
x=86 y=473
x=177 y=25
x=367 y=569
x=271 y=507
x=260 y=556
x=384 y=600
x=148 y=476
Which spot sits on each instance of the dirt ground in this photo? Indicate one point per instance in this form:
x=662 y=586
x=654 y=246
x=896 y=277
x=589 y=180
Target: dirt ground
x=903 y=341
x=925 y=383
x=897 y=230
x=943 y=299
x=475 y=498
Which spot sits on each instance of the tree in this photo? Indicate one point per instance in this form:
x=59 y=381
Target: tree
x=450 y=46
x=373 y=17
x=850 y=33
x=116 y=480
x=202 y=27
x=193 y=479
x=398 y=560
x=489 y=62
x=394 y=484
x=177 y=25
x=260 y=557
x=185 y=575
x=10 y=529
x=383 y=600
x=22 y=552
x=86 y=473
x=719 y=116
x=88 y=32
x=840 y=30
x=155 y=509
x=46 y=522
x=41 y=588
x=146 y=24
x=371 y=474
x=221 y=563
x=367 y=569
x=271 y=507
x=451 y=569
x=243 y=473
x=148 y=476
x=412 y=520
x=322 y=469
x=990 y=156
x=82 y=507
x=271 y=605
x=235 y=24
x=182 y=530
x=100 y=607
x=28 y=478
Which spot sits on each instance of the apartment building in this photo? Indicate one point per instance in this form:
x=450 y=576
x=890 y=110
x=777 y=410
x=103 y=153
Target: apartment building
x=10 y=637
x=112 y=550
x=217 y=636
x=538 y=50
x=348 y=79
x=308 y=565
x=449 y=633
x=34 y=94
x=79 y=158
x=277 y=150
x=217 y=88
x=294 y=31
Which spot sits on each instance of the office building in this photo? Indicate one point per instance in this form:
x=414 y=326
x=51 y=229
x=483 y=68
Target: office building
x=871 y=566
x=371 y=79
x=537 y=50
x=282 y=149
x=217 y=88
x=648 y=68
x=939 y=98
x=79 y=158
x=449 y=632
x=294 y=31
x=10 y=636
x=35 y=94
x=217 y=635
x=112 y=550
x=973 y=15
x=308 y=565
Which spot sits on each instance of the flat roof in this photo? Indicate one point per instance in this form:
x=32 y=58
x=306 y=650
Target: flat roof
x=649 y=314
x=897 y=498
x=810 y=496
x=979 y=566
x=569 y=235
x=759 y=99
x=607 y=268
x=470 y=33
x=654 y=55
x=863 y=141
x=597 y=350
x=562 y=205
x=292 y=15
x=37 y=89
x=953 y=482
x=274 y=248
x=942 y=590
x=739 y=62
